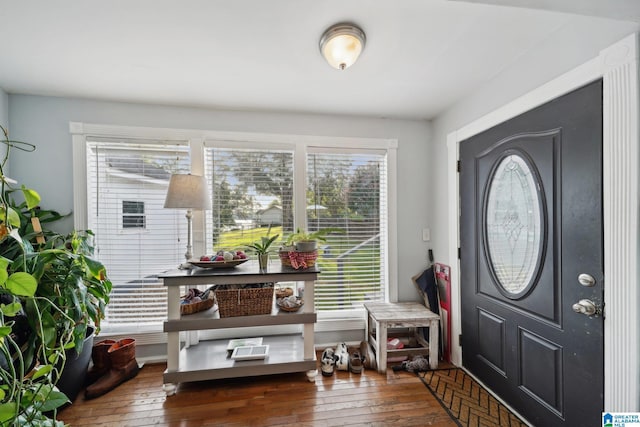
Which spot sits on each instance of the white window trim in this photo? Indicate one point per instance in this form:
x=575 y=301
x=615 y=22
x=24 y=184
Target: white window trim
x=198 y=139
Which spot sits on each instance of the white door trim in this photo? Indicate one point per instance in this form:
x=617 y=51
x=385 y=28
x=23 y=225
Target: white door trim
x=618 y=67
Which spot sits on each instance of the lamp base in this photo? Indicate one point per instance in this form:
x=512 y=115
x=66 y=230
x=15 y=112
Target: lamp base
x=185 y=266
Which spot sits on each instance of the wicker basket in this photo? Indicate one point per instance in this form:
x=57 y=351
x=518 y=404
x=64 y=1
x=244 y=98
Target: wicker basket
x=283 y=292
x=198 y=306
x=293 y=309
x=298 y=260
x=245 y=302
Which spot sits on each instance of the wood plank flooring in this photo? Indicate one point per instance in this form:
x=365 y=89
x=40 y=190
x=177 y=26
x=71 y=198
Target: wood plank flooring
x=345 y=399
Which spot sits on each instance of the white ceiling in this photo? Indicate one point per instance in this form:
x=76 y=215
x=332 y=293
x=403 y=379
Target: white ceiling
x=421 y=55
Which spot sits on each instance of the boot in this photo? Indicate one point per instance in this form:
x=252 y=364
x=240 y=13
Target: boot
x=124 y=366
x=101 y=362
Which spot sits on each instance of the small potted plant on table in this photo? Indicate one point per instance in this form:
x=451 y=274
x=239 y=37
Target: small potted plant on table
x=262 y=248
x=308 y=242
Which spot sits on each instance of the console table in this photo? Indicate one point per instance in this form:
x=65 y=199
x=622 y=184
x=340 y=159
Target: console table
x=208 y=360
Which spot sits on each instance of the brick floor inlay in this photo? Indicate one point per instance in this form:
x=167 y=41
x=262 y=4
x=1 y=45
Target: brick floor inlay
x=467 y=401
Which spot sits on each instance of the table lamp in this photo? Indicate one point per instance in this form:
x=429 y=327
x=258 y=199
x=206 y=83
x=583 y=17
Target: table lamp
x=188 y=192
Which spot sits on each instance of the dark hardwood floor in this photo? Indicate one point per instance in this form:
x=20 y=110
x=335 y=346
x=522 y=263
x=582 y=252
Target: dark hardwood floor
x=368 y=399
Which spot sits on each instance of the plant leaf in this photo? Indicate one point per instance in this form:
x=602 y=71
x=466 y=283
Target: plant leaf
x=22 y=284
x=13 y=217
x=4 y=331
x=42 y=371
x=11 y=309
x=55 y=399
x=8 y=411
x=31 y=197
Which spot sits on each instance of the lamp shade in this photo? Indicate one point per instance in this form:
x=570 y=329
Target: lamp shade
x=187 y=191
x=342 y=44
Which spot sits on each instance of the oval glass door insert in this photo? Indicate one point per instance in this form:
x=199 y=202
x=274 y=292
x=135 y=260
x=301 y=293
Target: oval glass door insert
x=513 y=225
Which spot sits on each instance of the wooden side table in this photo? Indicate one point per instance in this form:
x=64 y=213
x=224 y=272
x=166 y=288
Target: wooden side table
x=382 y=316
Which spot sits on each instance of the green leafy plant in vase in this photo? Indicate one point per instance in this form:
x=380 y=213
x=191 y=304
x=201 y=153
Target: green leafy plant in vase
x=263 y=248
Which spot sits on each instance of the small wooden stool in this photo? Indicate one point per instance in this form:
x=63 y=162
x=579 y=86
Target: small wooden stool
x=401 y=315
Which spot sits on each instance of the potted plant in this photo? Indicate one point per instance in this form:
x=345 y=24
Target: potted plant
x=51 y=293
x=308 y=242
x=262 y=248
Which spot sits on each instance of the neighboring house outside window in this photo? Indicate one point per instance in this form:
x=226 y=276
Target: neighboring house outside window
x=133 y=214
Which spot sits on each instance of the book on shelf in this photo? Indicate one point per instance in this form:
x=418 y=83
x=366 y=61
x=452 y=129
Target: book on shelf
x=242 y=342
x=250 y=352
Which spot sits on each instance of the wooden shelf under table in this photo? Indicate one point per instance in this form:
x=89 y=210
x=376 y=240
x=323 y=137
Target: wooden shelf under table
x=208 y=360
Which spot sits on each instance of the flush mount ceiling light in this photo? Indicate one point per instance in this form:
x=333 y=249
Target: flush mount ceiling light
x=341 y=45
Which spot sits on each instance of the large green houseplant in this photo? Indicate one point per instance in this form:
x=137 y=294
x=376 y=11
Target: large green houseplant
x=51 y=291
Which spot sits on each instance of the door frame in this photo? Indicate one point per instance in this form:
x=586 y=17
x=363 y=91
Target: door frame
x=618 y=66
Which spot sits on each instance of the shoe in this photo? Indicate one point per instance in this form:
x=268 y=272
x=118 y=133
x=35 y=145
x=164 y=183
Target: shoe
x=101 y=362
x=342 y=354
x=355 y=362
x=124 y=366
x=328 y=362
x=368 y=356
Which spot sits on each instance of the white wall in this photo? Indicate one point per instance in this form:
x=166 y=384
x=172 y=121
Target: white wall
x=541 y=65
x=44 y=121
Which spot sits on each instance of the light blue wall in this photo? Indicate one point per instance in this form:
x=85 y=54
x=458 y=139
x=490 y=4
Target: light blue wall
x=44 y=121
x=4 y=122
x=4 y=108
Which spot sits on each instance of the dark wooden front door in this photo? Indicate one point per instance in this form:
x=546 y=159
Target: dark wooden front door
x=531 y=255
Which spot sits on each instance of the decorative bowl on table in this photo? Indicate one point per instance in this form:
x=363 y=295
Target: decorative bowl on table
x=290 y=303
x=221 y=259
x=217 y=264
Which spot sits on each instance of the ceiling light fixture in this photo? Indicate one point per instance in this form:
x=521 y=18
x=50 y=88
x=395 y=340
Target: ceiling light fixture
x=341 y=45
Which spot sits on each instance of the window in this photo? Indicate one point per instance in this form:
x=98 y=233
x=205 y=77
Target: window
x=260 y=185
x=133 y=214
x=127 y=183
x=347 y=190
x=252 y=195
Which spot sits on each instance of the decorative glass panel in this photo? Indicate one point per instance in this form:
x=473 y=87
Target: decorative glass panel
x=513 y=224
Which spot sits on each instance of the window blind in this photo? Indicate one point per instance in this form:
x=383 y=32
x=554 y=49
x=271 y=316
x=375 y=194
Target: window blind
x=136 y=237
x=252 y=195
x=348 y=190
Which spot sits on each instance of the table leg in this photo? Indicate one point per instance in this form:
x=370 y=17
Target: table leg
x=434 y=330
x=309 y=307
x=381 y=352
x=173 y=338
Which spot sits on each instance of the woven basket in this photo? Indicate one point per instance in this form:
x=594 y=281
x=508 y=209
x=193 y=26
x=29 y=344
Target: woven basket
x=298 y=260
x=198 y=306
x=291 y=309
x=283 y=292
x=245 y=302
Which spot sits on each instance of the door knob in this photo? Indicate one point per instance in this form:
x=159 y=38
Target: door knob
x=585 y=306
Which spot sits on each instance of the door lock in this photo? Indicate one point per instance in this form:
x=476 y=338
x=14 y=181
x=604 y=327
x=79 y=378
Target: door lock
x=586 y=280
x=585 y=306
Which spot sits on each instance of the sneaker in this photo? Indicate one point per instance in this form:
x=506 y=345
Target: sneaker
x=368 y=356
x=328 y=362
x=342 y=357
x=355 y=362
